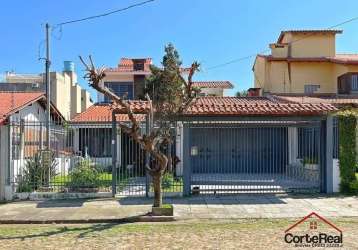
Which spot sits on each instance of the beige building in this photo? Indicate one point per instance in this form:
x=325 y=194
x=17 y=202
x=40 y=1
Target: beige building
x=306 y=62
x=66 y=94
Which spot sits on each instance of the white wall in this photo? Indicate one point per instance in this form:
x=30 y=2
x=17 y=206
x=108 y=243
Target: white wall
x=336 y=176
x=4 y=162
x=212 y=91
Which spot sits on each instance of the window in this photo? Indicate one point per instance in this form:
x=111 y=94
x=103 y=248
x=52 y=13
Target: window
x=138 y=66
x=122 y=89
x=354 y=82
x=311 y=88
x=95 y=142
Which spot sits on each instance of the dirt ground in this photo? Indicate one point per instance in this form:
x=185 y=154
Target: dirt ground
x=222 y=234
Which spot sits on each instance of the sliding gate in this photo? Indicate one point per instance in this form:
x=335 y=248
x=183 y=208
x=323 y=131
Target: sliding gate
x=248 y=157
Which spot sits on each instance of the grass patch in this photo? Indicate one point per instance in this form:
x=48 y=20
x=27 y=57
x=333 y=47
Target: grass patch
x=63 y=180
x=217 y=234
x=167 y=206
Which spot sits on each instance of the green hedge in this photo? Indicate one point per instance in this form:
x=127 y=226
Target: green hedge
x=347 y=149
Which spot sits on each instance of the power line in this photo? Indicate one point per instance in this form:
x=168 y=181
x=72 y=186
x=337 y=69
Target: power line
x=104 y=14
x=267 y=50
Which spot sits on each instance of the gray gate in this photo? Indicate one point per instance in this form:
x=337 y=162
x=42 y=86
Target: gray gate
x=249 y=157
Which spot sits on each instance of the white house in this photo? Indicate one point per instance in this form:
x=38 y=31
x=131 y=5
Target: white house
x=22 y=132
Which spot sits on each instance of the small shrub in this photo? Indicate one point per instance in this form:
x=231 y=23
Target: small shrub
x=36 y=174
x=354 y=187
x=167 y=181
x=85 y=175
x=347 y=149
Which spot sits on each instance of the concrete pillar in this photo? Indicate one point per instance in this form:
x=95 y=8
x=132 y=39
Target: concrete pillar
x=326 y=149
x=186 y=161
x=329 y=154
x=6 y=191
x=292 y=144
x=179 y=149
x=2 y=165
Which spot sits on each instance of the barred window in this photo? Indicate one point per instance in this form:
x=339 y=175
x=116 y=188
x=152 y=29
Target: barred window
x=311 y=88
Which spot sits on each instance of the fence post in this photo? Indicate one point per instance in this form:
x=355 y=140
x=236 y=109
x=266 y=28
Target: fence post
x=3 y=164
x=329 y=154
x=186 y=161
x=147 y=158
x=114 y=154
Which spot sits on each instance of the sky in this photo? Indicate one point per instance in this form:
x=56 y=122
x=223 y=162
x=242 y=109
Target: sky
x=209 y=31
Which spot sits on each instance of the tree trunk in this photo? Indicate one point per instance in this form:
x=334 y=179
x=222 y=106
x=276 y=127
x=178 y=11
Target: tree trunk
x=157 y=185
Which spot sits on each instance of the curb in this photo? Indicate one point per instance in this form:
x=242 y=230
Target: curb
x=144 y=218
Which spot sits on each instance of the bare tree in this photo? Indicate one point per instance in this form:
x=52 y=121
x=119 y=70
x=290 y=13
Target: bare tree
x=172 y=97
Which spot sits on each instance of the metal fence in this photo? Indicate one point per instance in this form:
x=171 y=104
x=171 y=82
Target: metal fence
x=254 y=157
x=205 y=157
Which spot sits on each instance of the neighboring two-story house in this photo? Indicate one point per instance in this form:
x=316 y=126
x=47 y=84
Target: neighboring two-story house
x=128 y=80
x=305 y=62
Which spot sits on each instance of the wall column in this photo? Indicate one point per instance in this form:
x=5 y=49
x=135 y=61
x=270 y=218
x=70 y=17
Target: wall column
x=326 y=144
x=2 y=163
x=186 y=160
x=179 y=149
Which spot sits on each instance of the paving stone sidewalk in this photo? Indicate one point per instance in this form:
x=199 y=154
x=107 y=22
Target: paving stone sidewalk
x=200 y=207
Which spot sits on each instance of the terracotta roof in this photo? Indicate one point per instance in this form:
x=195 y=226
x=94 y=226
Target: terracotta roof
x=126 y=65
x=10 y=102
x=102 y=112
x=336 y=100
x=213 y=84
x=339 y=58
x=253 y=106
x=328 y=31
x=218 y=106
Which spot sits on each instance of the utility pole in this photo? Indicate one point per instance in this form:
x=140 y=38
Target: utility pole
x=48 y=93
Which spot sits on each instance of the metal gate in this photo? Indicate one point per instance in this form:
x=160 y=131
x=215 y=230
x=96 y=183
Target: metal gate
x=254 y=157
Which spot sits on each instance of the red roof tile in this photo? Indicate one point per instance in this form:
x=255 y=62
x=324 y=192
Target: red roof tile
x=334 y=100
x=339 y=59
x=126 y=65
x=252 y=106
x=213 y=84
x=103 y=112
x=10 y=102
x=218 y=106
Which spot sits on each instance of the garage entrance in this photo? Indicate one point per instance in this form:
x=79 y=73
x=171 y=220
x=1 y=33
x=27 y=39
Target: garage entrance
x=255 y=157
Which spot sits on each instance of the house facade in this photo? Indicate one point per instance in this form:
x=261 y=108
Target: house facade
x=305 y=62
x=128 y=80
x=23 y=134
x=66 y=94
